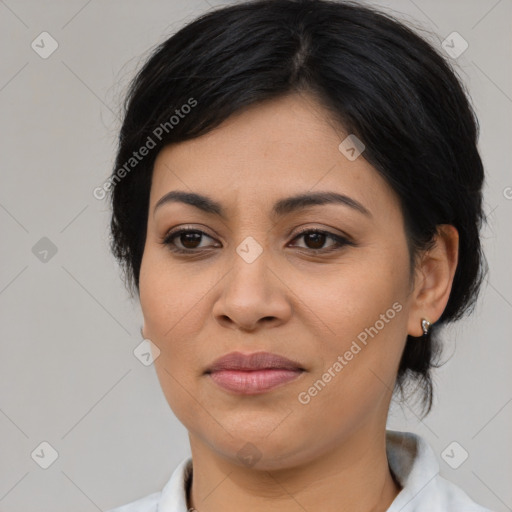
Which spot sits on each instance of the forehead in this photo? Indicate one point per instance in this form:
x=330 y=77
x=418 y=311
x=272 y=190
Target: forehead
x=283 y=147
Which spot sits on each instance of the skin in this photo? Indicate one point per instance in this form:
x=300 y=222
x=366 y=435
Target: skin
x=289 y=301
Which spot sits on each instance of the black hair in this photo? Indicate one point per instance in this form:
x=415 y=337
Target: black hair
x=380 y=80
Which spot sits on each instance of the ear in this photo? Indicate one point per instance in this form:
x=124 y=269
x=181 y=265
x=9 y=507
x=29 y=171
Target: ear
x=433 y=279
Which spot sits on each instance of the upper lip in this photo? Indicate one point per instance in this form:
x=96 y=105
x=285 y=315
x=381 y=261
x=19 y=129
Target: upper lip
x=254 y=361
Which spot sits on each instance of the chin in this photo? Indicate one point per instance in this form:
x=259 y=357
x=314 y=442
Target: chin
x=261 y=448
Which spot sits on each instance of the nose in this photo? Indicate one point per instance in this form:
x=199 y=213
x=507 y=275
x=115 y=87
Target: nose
x=252 y=296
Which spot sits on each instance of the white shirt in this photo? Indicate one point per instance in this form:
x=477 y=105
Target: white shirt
x=411 y=459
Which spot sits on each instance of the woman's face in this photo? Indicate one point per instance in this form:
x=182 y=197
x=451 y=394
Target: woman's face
x=251 y=282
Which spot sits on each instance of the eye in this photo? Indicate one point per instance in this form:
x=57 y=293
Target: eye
x=188 y=241
x=316 y=238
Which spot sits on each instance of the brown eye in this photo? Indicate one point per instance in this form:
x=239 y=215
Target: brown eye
x=190 y=240
x=315 y=239
x=185 y=240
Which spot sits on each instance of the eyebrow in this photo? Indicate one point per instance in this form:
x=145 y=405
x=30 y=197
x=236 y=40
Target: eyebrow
x=282 y=207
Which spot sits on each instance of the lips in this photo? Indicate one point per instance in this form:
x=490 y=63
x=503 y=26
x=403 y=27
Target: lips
x=255 y=361
x=253 y=373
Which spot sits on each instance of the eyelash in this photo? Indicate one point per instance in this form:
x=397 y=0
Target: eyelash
x=340 y=241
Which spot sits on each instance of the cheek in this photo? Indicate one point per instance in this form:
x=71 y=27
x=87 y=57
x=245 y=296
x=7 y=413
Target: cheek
x=168 y=295
x=353 y=296
x=170 y=303
x=175 y=308
x=363 y=313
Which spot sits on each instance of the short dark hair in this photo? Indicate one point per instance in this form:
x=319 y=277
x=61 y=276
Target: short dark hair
x=380 y=80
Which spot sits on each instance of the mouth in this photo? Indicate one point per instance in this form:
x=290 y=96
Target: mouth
x=251 y=374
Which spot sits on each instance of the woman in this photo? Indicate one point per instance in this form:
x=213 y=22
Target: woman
x=297 y=203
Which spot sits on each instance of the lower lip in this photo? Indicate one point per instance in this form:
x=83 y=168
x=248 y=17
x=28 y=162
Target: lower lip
x=255 y=381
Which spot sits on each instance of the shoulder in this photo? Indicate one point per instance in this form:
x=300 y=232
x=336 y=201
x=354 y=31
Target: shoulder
x=456 y=498
x=415 y=465
x=148 y=503
x=171 y=497
x=453 y=498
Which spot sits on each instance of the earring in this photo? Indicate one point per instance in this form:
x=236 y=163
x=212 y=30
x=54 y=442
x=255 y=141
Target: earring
x=425 y=325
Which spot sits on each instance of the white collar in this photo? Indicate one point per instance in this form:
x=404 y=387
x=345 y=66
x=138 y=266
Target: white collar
x=410 y=458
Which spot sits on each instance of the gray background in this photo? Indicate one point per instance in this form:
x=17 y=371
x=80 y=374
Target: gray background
x=68 y=375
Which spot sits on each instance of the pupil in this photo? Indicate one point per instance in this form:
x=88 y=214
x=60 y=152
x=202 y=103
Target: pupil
x=195 y=236
x=318 y=240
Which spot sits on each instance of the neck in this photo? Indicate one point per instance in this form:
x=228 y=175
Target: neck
x=354 y=475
